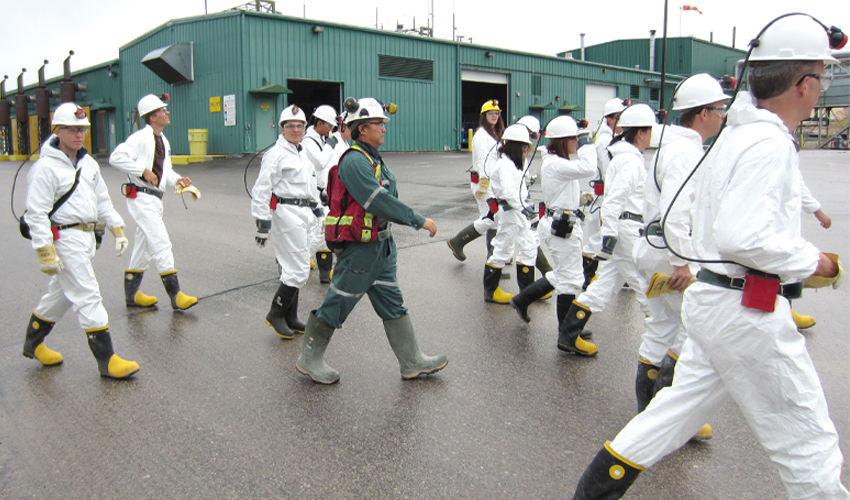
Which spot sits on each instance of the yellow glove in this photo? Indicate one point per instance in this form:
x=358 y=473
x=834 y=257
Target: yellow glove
x=658 y=286
x=50 y=262
x=821 y=282
x=189 y=189
x=586 y=199
x=483 y=186
x=121 y=241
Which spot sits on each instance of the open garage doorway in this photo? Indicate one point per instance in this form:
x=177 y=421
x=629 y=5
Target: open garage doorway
x=310 y=94
x=478 y=87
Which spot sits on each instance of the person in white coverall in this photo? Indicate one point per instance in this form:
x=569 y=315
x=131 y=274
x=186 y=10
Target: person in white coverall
x=146 y=159
x=319 y=145
x=560 y=228
x=485 y=153
x=513 y=218
x=63 y=235
x=284 y=203
x=604 y=135
x=747 y=222
x=621 y=224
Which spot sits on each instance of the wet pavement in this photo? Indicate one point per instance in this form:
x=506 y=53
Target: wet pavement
x=219 y=411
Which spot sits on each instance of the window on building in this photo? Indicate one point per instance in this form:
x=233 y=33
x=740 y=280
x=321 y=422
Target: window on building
x=536 y=85
x=405 y=67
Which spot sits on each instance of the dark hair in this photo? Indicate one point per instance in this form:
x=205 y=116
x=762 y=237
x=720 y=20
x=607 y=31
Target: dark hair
x=513 y=150
x=496 y=130
x=629 y=135
x=686 y=119
x=355 y=128
x=770 y=78
x=147 y=117
x=559 y=146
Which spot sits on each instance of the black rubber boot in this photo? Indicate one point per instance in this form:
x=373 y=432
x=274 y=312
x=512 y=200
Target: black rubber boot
x=647 y=374
x=325 y=263
x=590 y=266
x=34 y=347
x=277 y=316
x=608 y=477
x=292 y=315
x=179 y=300
x=524 y=276
x=665 y=372
x=132 y=296
x=492 y=292
x=411 y=361
x=458 y=241
x=564 y=303
x=569 y=333
x=531 y=293
x=109 y=364
x=311 y=361
x=542 y=263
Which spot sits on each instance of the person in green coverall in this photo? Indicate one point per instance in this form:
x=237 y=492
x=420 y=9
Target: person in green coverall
x=368 y=268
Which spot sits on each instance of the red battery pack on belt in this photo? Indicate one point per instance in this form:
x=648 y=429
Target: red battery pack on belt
x=760 y=292
x=273 y=203
x=541 y=210
x=493 y=204
x=55 y=231
x=129 y=190
x=598 y=188
x=473 y=178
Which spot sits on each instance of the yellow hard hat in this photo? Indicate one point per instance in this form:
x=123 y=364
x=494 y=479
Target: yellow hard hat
x=490 y=106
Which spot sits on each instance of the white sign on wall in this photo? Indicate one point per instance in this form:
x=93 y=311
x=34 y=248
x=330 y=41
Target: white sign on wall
x=229 y=110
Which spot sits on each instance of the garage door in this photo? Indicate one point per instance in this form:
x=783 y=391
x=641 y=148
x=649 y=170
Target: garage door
x=595 y=98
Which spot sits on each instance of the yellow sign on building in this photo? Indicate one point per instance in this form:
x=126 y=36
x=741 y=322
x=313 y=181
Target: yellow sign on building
x=215 y=104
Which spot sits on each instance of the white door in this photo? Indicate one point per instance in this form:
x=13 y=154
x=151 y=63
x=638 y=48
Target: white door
x=595 y=97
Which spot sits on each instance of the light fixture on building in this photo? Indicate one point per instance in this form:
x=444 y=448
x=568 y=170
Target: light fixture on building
x=318 y=29
x=489 y=53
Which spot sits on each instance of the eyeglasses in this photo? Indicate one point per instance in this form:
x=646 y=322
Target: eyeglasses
x=721 y=110
x=825 y=80
x=294 y=126
x=76 y=130
x=493 y=113
x=380 y=124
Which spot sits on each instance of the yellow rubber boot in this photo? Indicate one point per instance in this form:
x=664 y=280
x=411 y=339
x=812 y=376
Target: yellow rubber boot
x=120 y=368
x=179 y=300
x=108 y=363
x=492 y=292
x=34 y=348
x=47 y=356
x=133 y=297
x=569 y=338
x=802 y=321
x=704 y=434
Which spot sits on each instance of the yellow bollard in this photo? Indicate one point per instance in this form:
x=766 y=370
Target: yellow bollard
x=470 y=140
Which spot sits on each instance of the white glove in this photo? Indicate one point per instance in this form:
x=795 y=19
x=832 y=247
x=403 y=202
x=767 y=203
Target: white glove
x=189 y=189
x=121 y=244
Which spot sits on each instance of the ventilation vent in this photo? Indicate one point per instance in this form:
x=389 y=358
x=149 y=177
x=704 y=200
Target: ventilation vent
x=634 y=92
x=653 y=94
x=404 y=67
x=536 y=85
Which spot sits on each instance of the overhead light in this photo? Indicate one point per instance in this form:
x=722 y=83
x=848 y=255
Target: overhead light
x=489 y=53
x=318 y=29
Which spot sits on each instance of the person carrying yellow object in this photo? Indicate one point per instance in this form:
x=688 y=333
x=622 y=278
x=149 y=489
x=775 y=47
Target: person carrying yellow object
x=63 y=236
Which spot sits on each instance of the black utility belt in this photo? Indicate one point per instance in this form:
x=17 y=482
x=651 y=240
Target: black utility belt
x=297 y=202
x=578 y=213
x=504 y=204
x=631 y=216
x=652 y=230
x=130 y=190
x=789 y=291
x=82 y=226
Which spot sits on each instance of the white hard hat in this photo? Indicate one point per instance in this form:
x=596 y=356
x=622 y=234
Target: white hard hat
x=698 y=90
x=797 y=37
x=517 y=132
x=637 y=115
x=562 y=126
x=614 y=105
x=292 y=113
x=367 y=108
x=150 y=103
x=531 y=123
x=71 y=115
x=325 y=113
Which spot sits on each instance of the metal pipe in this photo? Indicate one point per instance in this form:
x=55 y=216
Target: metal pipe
x=582 y=46
x=651 y=50
x=663 y=58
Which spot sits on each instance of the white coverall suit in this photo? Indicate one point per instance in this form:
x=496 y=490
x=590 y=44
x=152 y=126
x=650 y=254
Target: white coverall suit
x=320 y=156
x=560 y=182
x=485 y=153
x=286 y=172
x=151 y=242
x=514 y=229
x=747 y=210
x=76 y=285
x=623 y=193
x=678 y=155
x=593 y=211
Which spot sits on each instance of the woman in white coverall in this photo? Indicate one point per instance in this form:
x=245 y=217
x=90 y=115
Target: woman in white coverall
x=747 y=221
x=561 y=229
x=700 y=101
x=146 y=159
x=514 y=227
x=63 y=237
x=283 y=201
x=621 y=223
x=319 y=148
x=485 y=145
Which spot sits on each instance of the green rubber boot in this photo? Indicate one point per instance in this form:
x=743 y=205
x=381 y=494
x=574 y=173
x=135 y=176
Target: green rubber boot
x=412 y=362
x=311 y=362
x=458 y=241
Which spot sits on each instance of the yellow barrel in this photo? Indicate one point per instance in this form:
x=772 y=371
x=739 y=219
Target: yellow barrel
x=198 y=141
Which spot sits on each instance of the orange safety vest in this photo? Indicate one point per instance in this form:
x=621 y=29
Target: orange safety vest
x=347 y=219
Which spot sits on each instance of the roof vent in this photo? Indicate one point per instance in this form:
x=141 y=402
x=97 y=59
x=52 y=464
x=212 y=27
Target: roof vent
x=172 y=63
